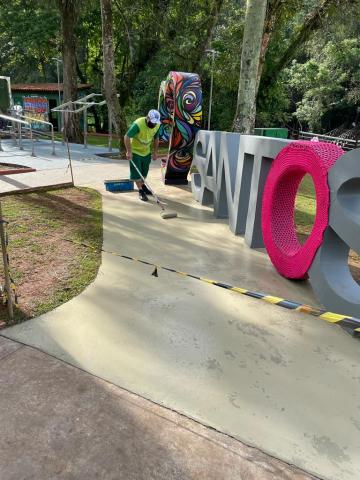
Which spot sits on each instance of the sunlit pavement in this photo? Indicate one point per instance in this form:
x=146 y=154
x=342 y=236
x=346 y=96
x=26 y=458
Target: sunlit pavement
x=283 y=382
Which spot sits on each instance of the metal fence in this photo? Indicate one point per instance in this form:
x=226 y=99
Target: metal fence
x=20 y=124
x=344 y=143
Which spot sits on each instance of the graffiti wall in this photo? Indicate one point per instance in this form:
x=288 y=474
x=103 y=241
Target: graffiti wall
x=180 y=106
x=253 y=181
x=36 y=107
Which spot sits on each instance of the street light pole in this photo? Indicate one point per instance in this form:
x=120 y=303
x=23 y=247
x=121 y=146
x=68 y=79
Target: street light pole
x=213 y=54
x=58 y=61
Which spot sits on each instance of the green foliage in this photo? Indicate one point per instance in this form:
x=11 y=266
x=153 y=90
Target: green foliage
x=29 y=37
x=320 y=88
x=273 y=106
x=328 y=84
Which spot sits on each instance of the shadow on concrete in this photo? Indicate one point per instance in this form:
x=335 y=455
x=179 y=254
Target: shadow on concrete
x=84 y=428
x=244 y=264
x=79 y=427
x=13 y=182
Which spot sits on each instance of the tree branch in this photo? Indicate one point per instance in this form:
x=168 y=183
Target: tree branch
x=311 y=24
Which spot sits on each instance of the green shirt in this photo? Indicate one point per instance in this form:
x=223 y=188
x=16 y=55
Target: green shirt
x=142 y=136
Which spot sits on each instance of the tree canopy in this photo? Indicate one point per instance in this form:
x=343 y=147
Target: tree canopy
x=309 y=73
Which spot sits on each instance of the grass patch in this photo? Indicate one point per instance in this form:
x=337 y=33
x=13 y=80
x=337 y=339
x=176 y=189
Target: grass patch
x=305 y=208
x=102 y=141
x=95 y=140
x=47 y=269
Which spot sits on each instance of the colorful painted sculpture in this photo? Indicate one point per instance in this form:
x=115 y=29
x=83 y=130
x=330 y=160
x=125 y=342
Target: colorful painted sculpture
x=180 y=106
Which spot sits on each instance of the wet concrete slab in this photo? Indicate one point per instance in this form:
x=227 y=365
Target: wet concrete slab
x=60 y=422
x=281 y=381
x=284 y=382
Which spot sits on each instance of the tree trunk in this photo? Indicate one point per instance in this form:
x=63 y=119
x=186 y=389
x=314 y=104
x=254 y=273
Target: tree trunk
x=110 y=91
x=68 y=10
x=273 y=12
x=244 y=121
x=93 y=109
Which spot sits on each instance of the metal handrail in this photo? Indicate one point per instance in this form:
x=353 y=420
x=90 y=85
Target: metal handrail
x=350 y=140
x=70 y=107
x=44 y=122
x=21 y=122
x=59 y=108
x=339 y=140
x=87 y=97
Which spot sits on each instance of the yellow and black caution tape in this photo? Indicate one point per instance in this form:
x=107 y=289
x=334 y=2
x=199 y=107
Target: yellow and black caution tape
x=351 y=324
x=344 y=321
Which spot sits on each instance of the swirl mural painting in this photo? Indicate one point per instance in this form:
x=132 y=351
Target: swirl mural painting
x=180 y=106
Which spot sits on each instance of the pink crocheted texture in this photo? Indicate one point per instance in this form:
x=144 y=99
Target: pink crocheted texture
x=290 y=258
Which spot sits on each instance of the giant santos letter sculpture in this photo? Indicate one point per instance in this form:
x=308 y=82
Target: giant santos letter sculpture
x=254 y=180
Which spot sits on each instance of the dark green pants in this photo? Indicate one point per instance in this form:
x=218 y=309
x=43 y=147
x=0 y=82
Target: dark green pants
x=142 y=163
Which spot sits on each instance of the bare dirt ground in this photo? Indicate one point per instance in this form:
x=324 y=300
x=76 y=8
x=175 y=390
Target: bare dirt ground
x=46 y=267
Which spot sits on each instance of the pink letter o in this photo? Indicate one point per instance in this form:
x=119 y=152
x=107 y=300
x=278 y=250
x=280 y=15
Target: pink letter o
x=290 y=258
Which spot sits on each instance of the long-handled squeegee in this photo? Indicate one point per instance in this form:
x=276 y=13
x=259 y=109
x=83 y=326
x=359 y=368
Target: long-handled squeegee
x=164 y=214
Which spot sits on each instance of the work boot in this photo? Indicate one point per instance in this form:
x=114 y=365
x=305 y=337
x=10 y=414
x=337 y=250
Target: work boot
x=146 y=190
x=142 y=195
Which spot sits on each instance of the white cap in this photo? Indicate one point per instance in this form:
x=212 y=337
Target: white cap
x=154 y=116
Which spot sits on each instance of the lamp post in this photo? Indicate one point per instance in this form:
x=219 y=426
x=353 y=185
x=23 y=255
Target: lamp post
x=213 y=54
x=58 y=61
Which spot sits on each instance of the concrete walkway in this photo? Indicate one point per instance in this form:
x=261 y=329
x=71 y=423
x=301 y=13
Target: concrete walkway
x=53 y=170
x=59 y=422
x=283 y=382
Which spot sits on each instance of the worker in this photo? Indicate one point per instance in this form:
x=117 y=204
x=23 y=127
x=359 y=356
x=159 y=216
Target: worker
x=138 y=140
